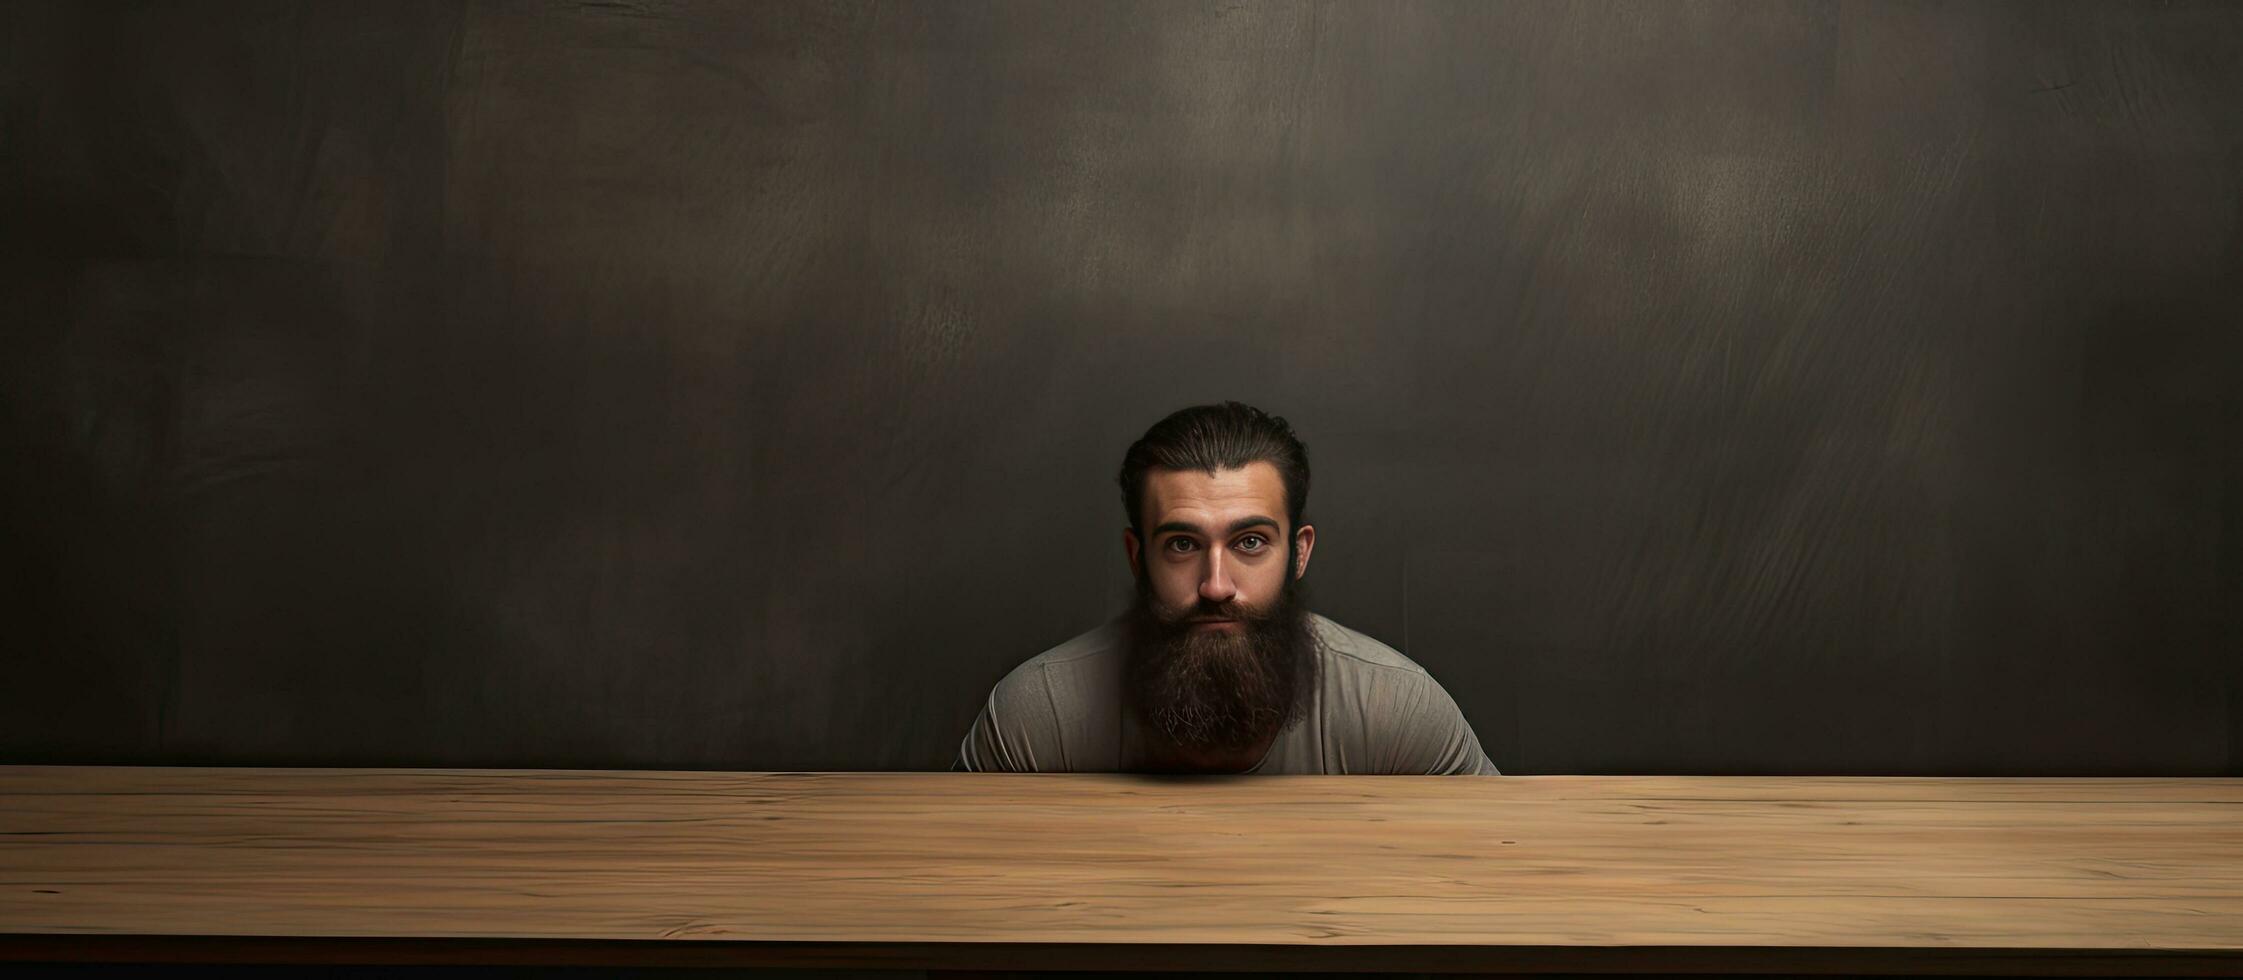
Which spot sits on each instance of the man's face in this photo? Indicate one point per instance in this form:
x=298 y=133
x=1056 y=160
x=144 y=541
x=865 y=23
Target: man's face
x=1223 y=654
x=1215 y=540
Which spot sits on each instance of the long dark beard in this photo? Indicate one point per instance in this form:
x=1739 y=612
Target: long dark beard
x=1219 y=693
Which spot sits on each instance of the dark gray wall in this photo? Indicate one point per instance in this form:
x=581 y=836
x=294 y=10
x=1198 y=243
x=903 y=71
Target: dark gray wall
x=1693 y=387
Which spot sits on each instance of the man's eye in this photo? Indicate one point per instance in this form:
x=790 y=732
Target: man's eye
x=1180 y=545
x=1252 y=542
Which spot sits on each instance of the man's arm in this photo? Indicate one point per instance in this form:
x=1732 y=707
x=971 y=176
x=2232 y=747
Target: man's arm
x=1013 y=724
x=1429 y=735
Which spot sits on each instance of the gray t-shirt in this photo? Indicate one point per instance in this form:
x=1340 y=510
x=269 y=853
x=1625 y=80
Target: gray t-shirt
x=1374 y=711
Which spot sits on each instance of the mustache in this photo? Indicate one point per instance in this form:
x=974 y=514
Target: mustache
x=1226 y=609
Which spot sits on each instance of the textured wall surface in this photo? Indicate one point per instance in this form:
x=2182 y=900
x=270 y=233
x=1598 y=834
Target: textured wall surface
x=1693 y=387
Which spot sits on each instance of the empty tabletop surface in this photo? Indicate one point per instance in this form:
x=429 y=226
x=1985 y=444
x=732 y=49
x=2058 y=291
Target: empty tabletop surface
x=1082 y=871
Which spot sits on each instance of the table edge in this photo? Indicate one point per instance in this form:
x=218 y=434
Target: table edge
x=1107 y=957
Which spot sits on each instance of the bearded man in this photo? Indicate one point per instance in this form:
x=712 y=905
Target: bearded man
x=1219 y=666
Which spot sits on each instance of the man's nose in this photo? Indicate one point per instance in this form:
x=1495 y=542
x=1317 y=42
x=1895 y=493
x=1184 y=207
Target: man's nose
x=1215 y=583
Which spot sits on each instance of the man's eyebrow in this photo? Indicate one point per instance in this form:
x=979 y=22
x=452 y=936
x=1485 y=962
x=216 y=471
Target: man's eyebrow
x=1236 y=526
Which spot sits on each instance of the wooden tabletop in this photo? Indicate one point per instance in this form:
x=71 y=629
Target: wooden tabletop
x=1112 y=872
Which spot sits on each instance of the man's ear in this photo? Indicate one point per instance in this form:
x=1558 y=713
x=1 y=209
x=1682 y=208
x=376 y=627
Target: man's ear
x=1305 y=538
x=1129 y=547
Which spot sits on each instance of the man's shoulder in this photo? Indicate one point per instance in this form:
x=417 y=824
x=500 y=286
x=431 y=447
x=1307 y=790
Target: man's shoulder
x=1091 y=649
x=1352 y=649
x=1391 y=711
x=1105 y=639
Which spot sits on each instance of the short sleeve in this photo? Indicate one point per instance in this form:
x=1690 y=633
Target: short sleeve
x=1016 y=731
x=1430 y=736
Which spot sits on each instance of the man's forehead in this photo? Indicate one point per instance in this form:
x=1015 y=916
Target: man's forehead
x=1200 y=497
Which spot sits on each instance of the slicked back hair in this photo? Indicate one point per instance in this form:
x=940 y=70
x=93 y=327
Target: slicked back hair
x=1216 y=437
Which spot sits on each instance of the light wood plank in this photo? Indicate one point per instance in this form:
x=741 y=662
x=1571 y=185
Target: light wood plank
x=1978 y=866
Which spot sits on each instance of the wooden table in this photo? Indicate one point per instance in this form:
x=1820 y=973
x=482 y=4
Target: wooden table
x=970 y=871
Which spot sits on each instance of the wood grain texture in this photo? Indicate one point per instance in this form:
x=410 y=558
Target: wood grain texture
x=960 y=870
